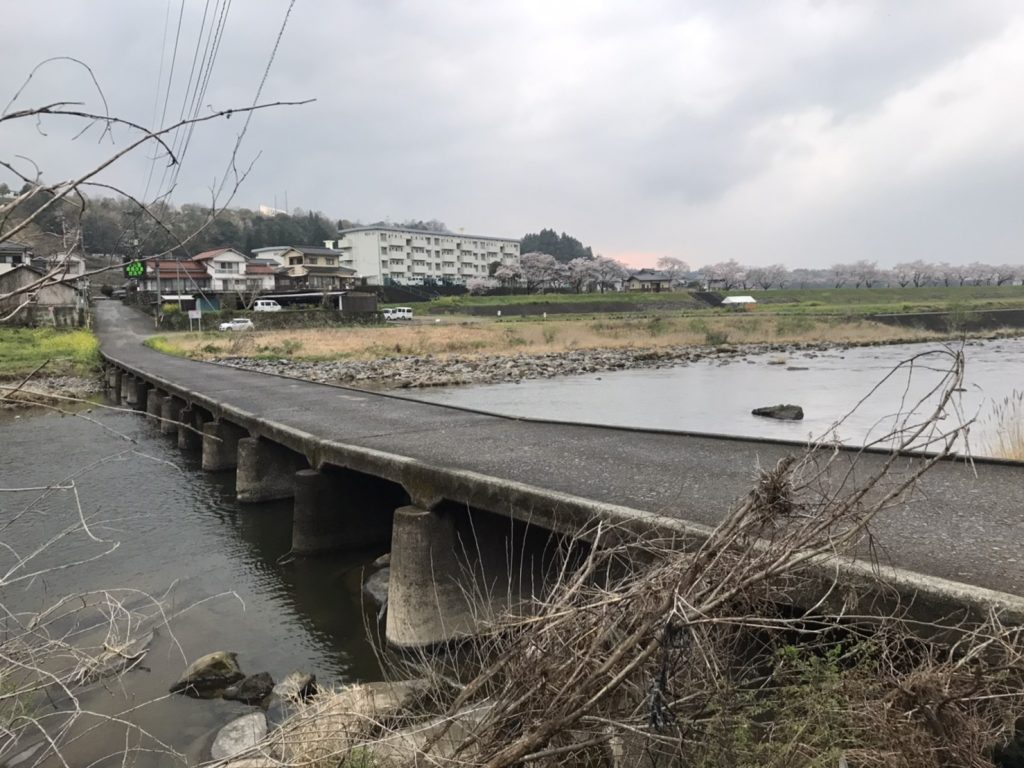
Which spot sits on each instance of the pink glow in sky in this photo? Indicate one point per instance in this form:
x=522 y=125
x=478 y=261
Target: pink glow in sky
x=636 y=259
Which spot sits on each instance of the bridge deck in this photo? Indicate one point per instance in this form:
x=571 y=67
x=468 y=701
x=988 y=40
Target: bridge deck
x=959 y=526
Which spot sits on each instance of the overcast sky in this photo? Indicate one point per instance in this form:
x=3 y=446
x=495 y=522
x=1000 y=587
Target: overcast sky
x=797 y=132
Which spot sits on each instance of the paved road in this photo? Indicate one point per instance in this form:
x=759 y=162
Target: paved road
x=960 y=526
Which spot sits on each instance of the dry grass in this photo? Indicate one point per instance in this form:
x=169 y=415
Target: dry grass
x=1008 y=415
x=535 y=337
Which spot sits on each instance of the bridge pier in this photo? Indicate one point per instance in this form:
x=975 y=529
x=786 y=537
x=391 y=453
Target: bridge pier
x=130 y=390
x=155 y=405
x=141 y=390
x=426 y=603
x=266 y=470
x=116 y=384
x=220 y=445
x=170 y=412
x=341 y=509
x=190 y=428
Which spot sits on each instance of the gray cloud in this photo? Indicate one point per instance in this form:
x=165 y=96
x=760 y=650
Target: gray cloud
x=803 y=132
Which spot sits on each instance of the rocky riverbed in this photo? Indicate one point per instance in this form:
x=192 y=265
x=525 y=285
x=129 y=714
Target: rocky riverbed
x=48 y=390
x=430 y=371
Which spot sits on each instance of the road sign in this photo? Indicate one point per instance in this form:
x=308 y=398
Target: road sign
x=134 y=268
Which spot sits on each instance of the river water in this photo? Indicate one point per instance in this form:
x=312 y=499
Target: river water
x=716 y=397
x=180 y=533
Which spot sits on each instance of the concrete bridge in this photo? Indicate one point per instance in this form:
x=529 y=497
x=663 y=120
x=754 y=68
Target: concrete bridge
x=372 y=469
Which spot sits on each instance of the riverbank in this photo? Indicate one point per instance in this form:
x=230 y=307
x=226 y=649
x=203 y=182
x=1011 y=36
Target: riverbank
x=47 y=390
x=54 y=352
x=486 y=351
x=421 y=371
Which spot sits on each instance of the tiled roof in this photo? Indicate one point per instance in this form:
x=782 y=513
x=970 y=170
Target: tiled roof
x=215 y=252
x=651 y=275
x=314 y=269
x=175 y=268
x=12 y=246
x=314 y=250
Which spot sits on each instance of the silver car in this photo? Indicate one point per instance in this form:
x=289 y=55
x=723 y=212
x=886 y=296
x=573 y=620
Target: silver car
x=237 y=324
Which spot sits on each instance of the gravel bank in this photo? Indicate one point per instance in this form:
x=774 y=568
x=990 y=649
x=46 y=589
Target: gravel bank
x=44 y=388
x=414 y=372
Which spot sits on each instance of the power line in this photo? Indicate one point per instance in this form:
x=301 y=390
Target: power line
x=156 y=95
x=188 y=96
x=259 y=91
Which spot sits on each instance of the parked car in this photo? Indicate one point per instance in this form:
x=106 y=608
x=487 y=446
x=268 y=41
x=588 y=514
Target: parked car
x=266 y=305
x=237 y=324
x=398 y=313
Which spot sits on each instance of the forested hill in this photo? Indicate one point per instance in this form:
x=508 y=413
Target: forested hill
x=117 y=226
x=108 y=226
x=563 y=247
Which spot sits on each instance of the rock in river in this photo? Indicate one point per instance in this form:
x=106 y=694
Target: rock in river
x=252 y=690
x=209 y=675
x=783 y=412
x=376 y=586
x=297 y=686
x=239 y=735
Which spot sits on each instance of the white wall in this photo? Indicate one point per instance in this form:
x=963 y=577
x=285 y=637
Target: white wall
x=409 y=256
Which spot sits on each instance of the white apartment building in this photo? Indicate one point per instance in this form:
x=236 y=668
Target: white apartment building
x=412 y=256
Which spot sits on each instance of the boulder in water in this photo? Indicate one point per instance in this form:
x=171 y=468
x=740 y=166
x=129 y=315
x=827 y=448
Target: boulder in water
x=239 y=735
x=781 y=412
x=252 y=690
x=209 y=675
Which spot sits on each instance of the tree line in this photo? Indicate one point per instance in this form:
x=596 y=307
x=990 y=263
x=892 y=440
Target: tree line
x=730 y=275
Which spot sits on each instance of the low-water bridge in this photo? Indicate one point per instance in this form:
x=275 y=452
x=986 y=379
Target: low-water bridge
x=370 y=468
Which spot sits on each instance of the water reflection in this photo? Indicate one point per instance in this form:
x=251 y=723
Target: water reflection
x=180 y=532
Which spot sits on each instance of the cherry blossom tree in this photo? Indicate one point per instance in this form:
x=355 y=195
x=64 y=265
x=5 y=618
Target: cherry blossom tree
x=582 y=273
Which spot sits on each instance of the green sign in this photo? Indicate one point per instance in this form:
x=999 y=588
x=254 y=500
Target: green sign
x=134 y=269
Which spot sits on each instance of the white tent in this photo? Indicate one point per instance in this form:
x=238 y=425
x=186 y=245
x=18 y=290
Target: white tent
x=733 y=300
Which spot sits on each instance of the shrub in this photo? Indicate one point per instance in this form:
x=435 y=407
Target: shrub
x=715 y=338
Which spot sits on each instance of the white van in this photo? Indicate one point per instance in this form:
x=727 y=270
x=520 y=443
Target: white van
x=266 y=305
x=401 y=313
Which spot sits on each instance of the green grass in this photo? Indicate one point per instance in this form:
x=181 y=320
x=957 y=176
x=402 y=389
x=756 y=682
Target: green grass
x=632 y=297
x=884 y=300
x=22 y=350
x=795 y=301
x=162 y=344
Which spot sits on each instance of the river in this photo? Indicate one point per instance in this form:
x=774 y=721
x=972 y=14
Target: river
x=179 y=532
x=717 y=397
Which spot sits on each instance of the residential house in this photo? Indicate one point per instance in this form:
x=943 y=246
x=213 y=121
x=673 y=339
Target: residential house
x=175 y=277
x=650 y=280
x=71 y=266
x=57 y=303
x=226 y=268
x=208 y=276
x=305 y=267
x=13 y=254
